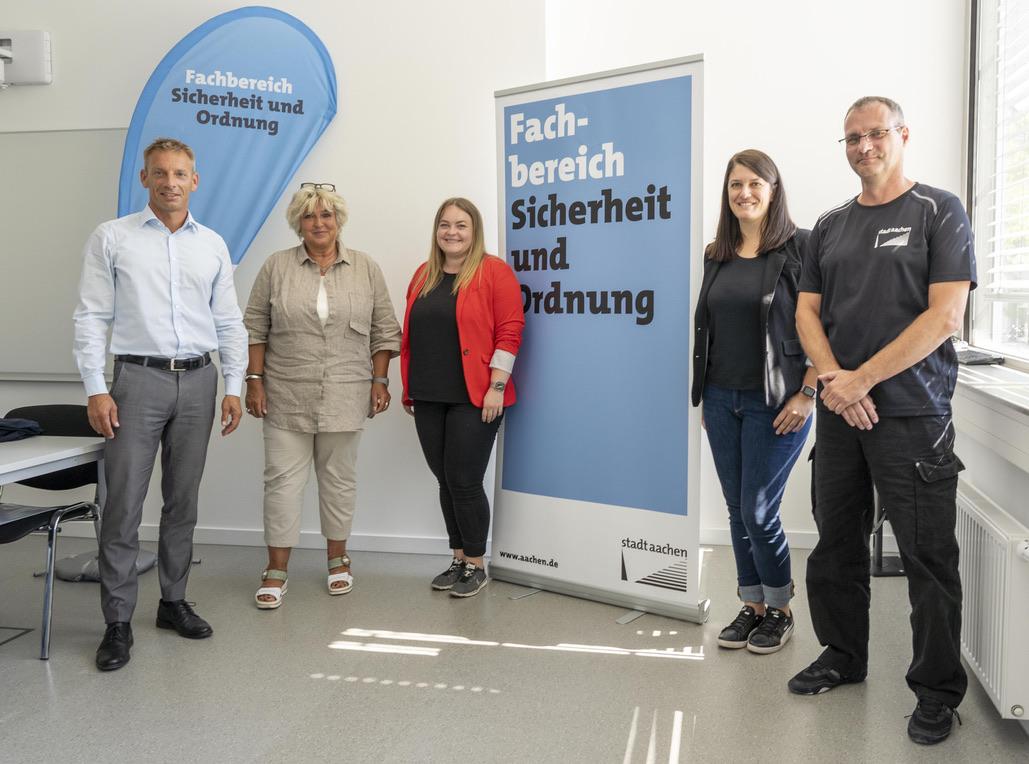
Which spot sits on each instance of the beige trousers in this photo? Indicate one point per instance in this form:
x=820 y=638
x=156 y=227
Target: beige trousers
x=287 y=465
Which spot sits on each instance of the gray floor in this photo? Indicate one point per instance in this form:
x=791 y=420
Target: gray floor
x=395 y=672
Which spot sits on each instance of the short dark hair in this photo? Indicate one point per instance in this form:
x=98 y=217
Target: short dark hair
x=895 y=111
x=168 y=144
x=776 y=229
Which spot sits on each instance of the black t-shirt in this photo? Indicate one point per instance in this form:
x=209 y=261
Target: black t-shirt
x=873 y=267
x=435 y=370
x=735 y=357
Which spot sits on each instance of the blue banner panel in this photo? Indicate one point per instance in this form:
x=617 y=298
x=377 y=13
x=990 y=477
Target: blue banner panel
x=598 y=207
x=251 y=91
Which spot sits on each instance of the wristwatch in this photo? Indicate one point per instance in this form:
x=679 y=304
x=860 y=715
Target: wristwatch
x=499 y=386
x=809 y=391
x=381 y=380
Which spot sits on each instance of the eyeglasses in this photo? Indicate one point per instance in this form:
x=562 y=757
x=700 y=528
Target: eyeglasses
x=876 y=135
x=319 y=186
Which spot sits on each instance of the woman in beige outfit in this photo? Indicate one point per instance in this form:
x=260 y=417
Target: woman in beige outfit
x=322 y=333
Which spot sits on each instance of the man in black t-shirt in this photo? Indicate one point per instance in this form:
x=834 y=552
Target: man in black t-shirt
x=885 y=281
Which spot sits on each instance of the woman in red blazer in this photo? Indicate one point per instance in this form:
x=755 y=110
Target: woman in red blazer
x=462 y=329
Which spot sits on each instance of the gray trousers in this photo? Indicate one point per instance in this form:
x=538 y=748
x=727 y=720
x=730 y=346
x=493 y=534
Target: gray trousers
x=174 y=410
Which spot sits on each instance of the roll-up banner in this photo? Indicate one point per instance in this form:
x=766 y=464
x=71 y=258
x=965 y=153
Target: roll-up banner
x=250 y=91
x=600 y=198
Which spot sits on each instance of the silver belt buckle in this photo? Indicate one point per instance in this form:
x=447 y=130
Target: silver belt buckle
x=173 y=367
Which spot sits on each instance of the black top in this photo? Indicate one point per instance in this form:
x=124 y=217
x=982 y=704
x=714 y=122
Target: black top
x=734 y=314
x=435 y=372
x=781 y=353
x=872 y=267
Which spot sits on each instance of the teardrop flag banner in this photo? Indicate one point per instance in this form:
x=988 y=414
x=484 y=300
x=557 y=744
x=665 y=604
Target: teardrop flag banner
x=250 y=91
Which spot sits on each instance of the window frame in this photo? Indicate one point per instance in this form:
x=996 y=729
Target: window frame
x=1018 y=362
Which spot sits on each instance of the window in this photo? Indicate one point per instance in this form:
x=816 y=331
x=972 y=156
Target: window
x=1000 y=176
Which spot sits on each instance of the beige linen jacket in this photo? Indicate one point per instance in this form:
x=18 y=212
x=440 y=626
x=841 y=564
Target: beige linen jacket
x=318 y=379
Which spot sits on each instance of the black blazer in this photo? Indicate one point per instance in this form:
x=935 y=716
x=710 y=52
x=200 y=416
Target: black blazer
x=784 y=360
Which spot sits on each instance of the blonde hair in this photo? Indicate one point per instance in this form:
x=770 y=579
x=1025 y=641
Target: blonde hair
x=434 y=265
x=168 y=144
x=308 y=199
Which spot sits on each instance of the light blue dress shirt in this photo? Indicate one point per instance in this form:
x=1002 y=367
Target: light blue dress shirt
x=166 y=294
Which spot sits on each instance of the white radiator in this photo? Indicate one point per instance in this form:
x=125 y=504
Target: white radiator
x=995 y=617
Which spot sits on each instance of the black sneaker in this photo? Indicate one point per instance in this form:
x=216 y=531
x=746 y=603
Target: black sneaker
x=931 y=721
x=774 y=632
x=472 y=579
x=818 y=678
x=450 y=576
x=736 y=634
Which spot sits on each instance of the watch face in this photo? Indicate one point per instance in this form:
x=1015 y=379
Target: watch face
x=808 y=391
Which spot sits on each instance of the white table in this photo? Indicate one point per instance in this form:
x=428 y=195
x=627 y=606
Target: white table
x=41 y=455
x=23 y=459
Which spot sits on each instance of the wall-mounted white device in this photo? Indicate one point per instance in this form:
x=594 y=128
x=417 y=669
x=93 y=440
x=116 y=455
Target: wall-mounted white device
x=25 y=58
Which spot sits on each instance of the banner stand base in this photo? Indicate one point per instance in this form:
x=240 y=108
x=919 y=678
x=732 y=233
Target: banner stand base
x=523 y=595
x=629 y=617
x=695 y=613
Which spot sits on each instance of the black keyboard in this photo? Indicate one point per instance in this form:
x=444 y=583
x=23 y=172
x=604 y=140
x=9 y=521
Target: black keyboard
x=978 y=357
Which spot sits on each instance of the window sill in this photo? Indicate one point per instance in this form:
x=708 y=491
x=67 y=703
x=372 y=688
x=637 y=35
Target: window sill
x=991 y=406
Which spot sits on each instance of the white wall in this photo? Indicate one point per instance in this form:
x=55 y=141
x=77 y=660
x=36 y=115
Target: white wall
x=779 y=77
x=415 y=125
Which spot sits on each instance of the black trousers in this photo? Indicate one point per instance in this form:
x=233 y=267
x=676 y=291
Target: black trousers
x=912 y=463
x=457 y=444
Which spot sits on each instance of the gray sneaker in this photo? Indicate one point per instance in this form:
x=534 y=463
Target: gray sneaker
x=471 y=581
x=450 y=576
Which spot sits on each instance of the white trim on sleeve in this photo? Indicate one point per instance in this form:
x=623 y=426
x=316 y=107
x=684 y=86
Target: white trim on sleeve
x=502 y=360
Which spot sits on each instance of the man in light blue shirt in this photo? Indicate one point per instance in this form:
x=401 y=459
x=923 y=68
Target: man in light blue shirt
x=162 y=284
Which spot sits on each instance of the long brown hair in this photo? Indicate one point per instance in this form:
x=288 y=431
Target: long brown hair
x=776 y=228
x=434 y=266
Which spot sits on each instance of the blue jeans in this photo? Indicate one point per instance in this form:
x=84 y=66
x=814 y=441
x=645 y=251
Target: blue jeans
x=753 y=464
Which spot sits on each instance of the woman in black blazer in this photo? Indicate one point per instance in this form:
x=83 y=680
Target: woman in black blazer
x=758 y=391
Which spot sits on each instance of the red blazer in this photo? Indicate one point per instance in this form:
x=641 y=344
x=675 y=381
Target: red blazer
x=489 y=317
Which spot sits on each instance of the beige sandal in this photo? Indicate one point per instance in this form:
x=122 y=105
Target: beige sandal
x=276 y=592
x=345 y=577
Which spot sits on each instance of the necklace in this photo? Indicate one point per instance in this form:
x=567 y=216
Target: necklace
x=318 y=260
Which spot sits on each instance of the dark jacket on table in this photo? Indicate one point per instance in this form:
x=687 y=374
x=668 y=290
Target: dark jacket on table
x=784 y=360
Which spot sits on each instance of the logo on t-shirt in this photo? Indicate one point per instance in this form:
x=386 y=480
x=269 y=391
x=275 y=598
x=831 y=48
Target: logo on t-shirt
x=892 y=237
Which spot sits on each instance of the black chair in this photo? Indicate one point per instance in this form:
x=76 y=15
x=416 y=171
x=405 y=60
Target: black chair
x=19 y=520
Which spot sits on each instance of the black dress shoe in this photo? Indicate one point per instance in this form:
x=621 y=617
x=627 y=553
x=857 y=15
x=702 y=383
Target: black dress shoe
x=180 y=616
x=113 y=652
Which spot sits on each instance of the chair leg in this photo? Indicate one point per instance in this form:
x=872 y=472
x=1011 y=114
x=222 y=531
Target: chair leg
x=48 y=586
x=100 y=498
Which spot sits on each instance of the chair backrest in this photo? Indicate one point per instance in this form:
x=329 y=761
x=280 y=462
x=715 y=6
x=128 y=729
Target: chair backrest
x=66 y=420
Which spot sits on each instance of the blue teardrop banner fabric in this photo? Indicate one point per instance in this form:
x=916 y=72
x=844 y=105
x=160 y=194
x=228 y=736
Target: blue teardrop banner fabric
x=251 y=91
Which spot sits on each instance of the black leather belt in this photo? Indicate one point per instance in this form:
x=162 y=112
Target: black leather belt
x=167 y=364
